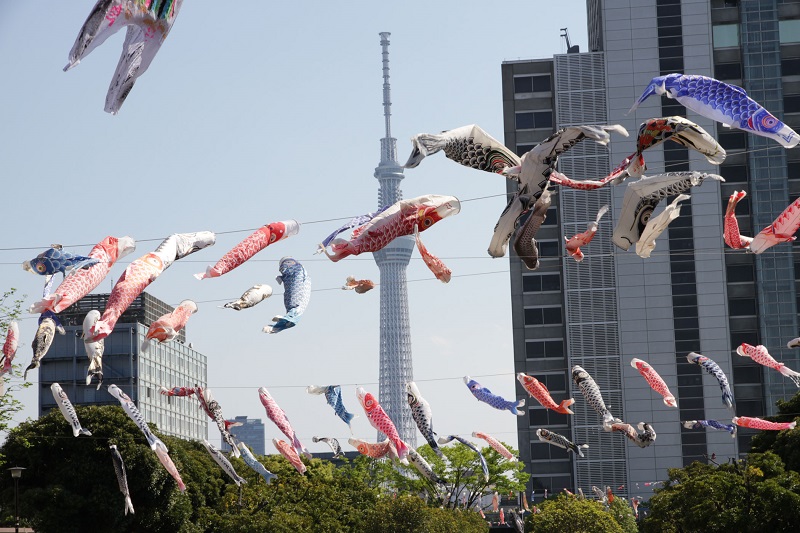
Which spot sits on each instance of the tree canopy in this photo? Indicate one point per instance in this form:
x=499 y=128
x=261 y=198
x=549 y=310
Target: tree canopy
x=752 y=495
x=69 y=485
x=568 y=514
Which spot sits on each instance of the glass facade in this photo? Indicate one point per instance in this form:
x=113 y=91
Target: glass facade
x=138 y=374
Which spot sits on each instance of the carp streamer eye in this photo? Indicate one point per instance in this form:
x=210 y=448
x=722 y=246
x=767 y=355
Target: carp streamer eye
x=41 y=268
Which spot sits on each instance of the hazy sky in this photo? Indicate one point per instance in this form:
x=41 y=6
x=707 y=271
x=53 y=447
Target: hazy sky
x=254 y=112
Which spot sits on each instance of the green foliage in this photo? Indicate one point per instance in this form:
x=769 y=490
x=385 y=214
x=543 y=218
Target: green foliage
x=748 y=496
x=70 y=485
x=409 y=514
x=10 y=309
x=461 y=474
x=567 y=514
x=622 y=512
x=786 y=444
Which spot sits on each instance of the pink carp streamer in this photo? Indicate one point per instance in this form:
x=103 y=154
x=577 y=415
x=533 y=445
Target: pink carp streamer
x=582 y=239
x=254 y=243
x=434 y=264
x=278 y=416
x=167 y=327
x=143 y=272
x=731 y=234
x=496 y=444
x=395 y=221
x=758 y=423
x=359 y=285
x=375 y=450
x=83 y=281
x=760 y=355
x=381 y=421
x=781 y=230
x=290 y=454
x=655 y=381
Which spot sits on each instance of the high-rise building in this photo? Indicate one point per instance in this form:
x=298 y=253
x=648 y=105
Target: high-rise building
x=693 y=294
x=395 y=336
x=139 y=374
x=250 y=431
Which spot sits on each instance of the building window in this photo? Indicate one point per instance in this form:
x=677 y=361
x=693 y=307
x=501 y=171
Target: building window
x=791 y=103
x=541 y=283
x=732 y=140
x=740 y=273
x=532 y=120
x=549 y=248
x=741 y=307
x=542 y=316
x=728 y=71
x=726 y=35
x=551 y=219
x=539 y=417
x=789 y=31
x=733 y=174
x=524 y=148
x=532 y=84
x=544 y=349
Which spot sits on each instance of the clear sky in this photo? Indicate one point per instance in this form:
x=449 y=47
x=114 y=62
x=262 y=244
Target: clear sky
x=254 y=112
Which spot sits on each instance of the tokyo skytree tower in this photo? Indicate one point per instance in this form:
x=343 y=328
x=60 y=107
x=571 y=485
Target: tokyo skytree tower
x=395 y=335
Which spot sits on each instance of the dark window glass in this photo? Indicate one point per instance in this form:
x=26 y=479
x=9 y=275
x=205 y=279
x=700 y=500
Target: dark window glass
x=688 y=324
x=741 y=306
x=551 y=282
x=523 y=84
x=682 y=277
x=750 y=408
x=552 y=217
x=738 y=337
x=696 y=450
x=694 y=436
x=676 y=155
x=690 y=380
x=793 y=169
x=524 y=121
x=687 y=335
x=668 y=10
x=677 y=232
x=555 y=382
x=548 y=249
x=734 y=173
x=682 y=266
x=533 y=317
x=674 y=20
x=684 y=312
x=534 y=350
x=554 y=348
x=790 y=67
x=691 y=403
x=543 y=119
x=683 y=301
x=671 y=64
x=670 y=108
x=737 y=273
x=686 y=288
x=551 y=315
x=671 y=51
x=537 y=417
x=524 y=148
x=676 y=242
x=684 y=347
x=531 y=283
x=673 y=31
x=541 y=83
x=732 y=140
x=728 y=71
x=747 y=374
x=791 y=104
x=670 y=41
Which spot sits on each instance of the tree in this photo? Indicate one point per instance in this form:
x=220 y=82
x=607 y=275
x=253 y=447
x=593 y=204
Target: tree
x=409 y=514
x=10 y=309
x=746 y=496
x=622 y=513
x=786 y=444
x=460 y=472
x=567 y=514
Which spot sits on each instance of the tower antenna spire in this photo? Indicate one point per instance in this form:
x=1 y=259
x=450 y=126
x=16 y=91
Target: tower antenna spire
x=388 y=144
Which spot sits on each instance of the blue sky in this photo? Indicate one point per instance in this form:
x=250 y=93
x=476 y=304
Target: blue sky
x=265 y=111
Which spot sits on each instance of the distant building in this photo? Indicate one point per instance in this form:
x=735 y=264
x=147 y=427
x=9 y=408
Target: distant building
x=692 y=294
x=251 y=432
x=139 y=375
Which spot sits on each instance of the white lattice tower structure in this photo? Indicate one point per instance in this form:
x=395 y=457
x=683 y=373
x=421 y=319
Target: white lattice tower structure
x=395 y=335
